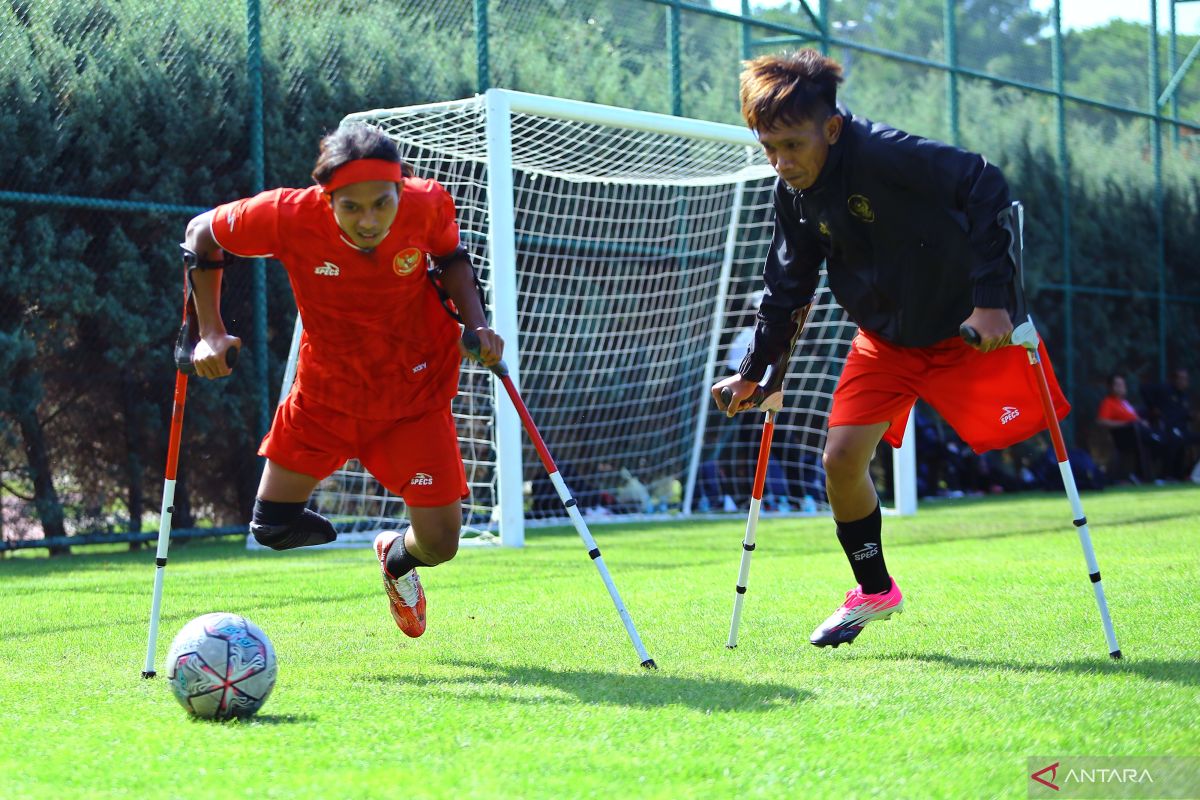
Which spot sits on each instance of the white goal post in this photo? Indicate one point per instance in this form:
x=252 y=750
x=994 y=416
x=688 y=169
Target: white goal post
x=620 y=253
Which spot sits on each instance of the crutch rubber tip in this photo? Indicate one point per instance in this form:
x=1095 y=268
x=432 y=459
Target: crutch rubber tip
x=649 y=664
x=149 y=674
x=731 y=647
x=1116 y=655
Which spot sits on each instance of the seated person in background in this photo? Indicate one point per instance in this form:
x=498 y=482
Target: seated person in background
x=714 y=495
x=632 y=495
x=1130 y=433
x=1168 y=410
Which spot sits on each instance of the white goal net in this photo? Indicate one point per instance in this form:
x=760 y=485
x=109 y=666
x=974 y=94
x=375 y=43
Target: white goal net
x=621 y=254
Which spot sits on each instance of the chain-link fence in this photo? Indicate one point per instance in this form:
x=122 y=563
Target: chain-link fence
x=125 y=118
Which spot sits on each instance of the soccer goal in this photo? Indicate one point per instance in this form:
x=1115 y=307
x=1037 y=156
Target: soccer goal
x=621 y=253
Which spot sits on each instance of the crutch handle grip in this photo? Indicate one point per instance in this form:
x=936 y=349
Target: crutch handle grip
x=970 y=335
x=470 y=343
x=756 y=398
x=184 y=352
x=231 y=357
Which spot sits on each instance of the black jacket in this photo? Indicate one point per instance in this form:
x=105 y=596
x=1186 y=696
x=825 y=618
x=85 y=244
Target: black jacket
x=908 y=230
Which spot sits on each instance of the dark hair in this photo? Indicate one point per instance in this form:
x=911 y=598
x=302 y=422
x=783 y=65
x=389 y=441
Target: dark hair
x=352 y=142
x=790 y=88
x=1112 y=379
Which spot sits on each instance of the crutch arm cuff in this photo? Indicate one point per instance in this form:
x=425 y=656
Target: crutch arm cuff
x=192 y=260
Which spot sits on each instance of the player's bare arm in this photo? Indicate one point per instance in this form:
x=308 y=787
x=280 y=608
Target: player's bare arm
x=209 y=355
x=458 y=278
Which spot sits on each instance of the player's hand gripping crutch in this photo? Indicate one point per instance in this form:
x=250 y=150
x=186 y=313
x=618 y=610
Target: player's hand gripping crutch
x=769 y=398
x=470 y=343
x=189 y=331
x=1025 y=335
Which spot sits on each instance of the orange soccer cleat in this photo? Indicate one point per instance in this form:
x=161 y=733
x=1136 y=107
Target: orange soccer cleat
x=406 y=598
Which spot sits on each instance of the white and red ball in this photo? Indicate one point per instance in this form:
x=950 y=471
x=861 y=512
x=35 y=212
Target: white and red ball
x=220 y=666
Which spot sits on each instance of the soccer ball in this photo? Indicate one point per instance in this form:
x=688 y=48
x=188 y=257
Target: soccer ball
x=220 y=666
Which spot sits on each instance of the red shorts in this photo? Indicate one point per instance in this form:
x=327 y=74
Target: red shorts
x=416 y=458
x=991 y=399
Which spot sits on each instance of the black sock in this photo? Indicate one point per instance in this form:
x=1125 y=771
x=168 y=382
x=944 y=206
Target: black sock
x=399 y=561
x=861 y=541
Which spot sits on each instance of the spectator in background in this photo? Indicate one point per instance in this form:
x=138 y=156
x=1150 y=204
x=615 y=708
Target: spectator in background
x=712 y=484
x=1170 y=416
x=1130 y=433
x=1084 y=470
x=632 y=495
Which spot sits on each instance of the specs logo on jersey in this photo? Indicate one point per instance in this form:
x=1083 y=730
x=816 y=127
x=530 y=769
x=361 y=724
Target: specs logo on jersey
x=422 y=479
x=860 y=207
x=328 y=268
x=1009 y=414
x=406 y=261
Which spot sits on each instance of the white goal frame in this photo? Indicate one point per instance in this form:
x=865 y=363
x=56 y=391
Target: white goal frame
x=500 y=257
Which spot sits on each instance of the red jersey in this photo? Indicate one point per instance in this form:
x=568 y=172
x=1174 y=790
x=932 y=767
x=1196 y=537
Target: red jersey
x=377 y=343
x=1116 y=409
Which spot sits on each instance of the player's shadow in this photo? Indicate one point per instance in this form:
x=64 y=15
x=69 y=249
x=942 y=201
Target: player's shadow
x=260 y=719
x=280 y=719
x=508 y=683
x=1181 y=672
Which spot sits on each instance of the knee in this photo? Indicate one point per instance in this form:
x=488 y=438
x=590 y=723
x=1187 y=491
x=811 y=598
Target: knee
x=842 y=464
x=441 y=547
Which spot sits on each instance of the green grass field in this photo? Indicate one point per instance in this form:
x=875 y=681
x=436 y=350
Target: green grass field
x=526 y=686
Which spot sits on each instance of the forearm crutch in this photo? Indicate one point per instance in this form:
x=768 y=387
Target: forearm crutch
x=470 y=342
x=1025 y=335
x=188 y=333
x=756 y=493
x=769 y=398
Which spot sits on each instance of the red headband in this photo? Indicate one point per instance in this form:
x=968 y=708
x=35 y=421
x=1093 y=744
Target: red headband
x=363 y=169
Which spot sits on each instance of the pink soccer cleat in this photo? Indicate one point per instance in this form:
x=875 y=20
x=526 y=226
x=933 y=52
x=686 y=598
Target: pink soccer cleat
x=859 y=609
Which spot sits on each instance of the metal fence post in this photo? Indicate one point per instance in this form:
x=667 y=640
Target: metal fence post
x=254 y=73
x=951 y=36
x=1064 y=177
x=1160 y=245
x=483 y=78
x=674 y=34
